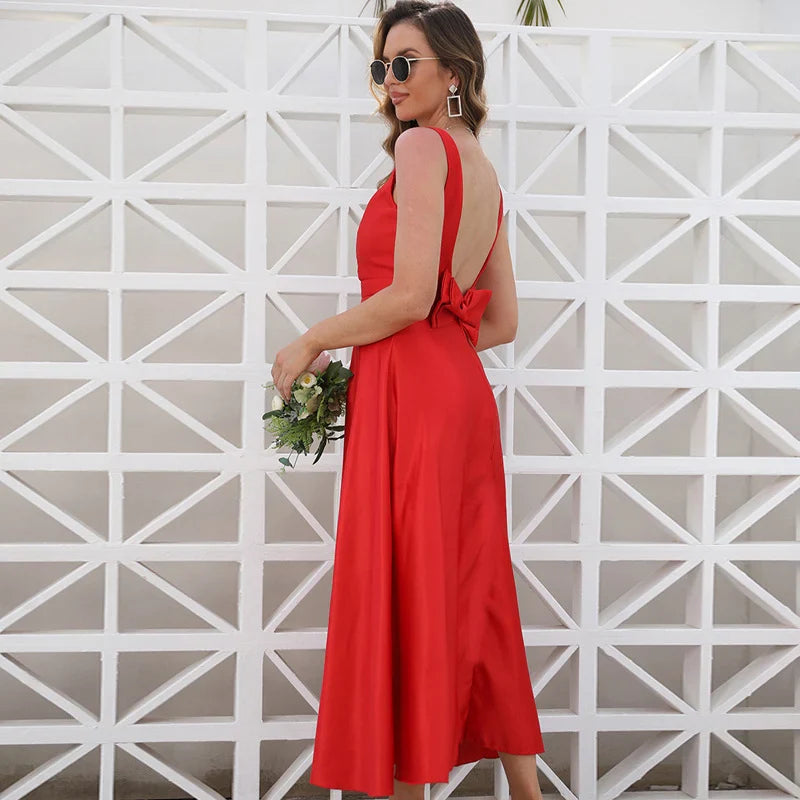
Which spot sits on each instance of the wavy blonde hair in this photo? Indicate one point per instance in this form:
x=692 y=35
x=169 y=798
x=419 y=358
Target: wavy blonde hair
x=453 y=38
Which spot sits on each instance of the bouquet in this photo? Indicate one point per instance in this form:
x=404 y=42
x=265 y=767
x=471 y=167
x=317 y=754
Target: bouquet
x=317 y=400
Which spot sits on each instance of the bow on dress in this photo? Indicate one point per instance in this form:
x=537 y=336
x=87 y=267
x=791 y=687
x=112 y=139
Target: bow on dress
x=467 y=307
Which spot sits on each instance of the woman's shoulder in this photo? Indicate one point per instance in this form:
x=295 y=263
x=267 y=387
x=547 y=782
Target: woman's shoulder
x=419 y=142
x=419 y=153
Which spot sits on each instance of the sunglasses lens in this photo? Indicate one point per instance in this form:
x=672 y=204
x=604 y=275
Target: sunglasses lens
x=400 y=68
x=378 y=70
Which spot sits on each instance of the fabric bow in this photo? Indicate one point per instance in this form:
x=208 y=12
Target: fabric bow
x=468 y=307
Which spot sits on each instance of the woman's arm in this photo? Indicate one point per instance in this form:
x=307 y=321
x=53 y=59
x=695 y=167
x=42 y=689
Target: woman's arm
x=490 y=334
x=380 y=315
x=420 y=172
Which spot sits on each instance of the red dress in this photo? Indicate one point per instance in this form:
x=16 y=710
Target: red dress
x=424 y=665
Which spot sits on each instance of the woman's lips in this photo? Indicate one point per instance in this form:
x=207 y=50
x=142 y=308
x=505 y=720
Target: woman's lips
x=396 y=98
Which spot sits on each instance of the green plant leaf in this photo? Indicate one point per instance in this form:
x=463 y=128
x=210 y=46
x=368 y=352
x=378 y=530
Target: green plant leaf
x=321 y=447
x=534 y=12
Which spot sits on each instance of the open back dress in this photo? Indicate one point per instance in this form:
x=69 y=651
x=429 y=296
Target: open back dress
x=425 y=665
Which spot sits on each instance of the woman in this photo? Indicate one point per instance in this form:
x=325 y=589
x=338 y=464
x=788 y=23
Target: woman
x=425 y=665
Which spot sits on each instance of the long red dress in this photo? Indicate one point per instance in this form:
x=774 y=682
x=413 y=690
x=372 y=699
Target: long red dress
x=425 y=665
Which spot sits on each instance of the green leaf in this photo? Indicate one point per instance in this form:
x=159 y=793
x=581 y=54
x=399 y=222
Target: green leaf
x=534 y=12
x=320 y=448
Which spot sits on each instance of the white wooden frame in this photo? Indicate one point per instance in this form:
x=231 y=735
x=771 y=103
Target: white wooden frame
x=588 y=113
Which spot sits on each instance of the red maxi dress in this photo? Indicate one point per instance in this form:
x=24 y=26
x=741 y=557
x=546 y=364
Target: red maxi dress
x=424 y=665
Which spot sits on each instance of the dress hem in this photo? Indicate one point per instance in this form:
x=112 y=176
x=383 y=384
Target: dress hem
x=456 y=763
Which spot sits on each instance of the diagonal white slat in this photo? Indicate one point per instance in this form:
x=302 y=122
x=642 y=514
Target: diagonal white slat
x=764 y=253
x=659 y=515
x=301 y=509
x=650 y=162
x=303 y=239
x=358 y=182
x=760 y=338
x=296 y=596
x=681 y=227
x=300 y=148
x=755 y=674
x=53 y=49
x=185 y=325
x=530 y=523
x=26 y=128
x=647 y=679
x=549 y=250
x=756 y=507
x=759 y=764
x=182 y=416
x=179 y=54
x=546 y=595
x=304 y=59
x=562 y=318
x=181 y=507
x=547 y=72
x=756 y=71
x=552 y=156
x=58 y=698
x=44 y=772
x=762 y=170
x=759 y=595
x=282 y=306
x=651 y=419
x=67 y=401
x=446 y=790
x=179 y=596
x=293 y=679
x=768 y=427
x=171 y=687
x=639 y=595
x=663 y=72
x=166 y=223
x=187 y=146
x=50 y=327
x=653 y=750
x=290 y=776
x=180 y=777
x=74 y=525
x=552 y=776
x=82 y=214
x=552 y=665
x=621 y=313
x=47 y=593
x=557 y=435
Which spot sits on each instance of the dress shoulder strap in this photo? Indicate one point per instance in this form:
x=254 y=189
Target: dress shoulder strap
x=453 y=200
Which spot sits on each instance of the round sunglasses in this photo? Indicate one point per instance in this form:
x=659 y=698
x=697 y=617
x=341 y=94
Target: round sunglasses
x=401 y=68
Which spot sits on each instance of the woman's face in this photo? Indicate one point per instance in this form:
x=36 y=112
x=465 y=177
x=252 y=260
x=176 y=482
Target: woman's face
x=422 y=96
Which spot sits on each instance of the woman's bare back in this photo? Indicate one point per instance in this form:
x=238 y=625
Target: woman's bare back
x=481 y=203
x=480 y=206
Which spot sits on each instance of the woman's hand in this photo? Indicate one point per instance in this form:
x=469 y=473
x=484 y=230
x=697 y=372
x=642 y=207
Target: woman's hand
x=292 y=361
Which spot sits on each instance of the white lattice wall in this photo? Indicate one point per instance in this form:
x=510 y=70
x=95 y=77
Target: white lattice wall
x=179 y=196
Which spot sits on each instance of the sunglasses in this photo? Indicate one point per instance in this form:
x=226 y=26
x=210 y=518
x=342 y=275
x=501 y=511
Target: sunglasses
x=401 y=68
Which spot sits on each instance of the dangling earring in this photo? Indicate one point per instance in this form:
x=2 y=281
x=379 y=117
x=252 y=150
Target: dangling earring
x=450 y=97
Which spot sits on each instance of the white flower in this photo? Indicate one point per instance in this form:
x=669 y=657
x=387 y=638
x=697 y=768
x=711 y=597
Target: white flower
x=307 y=379
x=277 y=403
